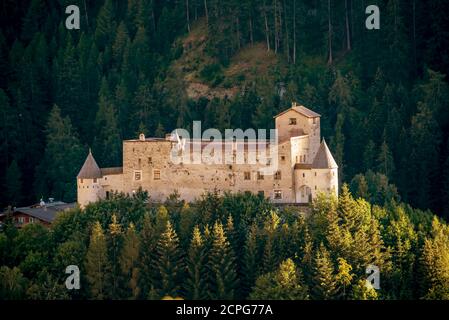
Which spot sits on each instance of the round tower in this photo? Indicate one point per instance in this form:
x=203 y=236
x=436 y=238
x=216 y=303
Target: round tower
x=89 y=188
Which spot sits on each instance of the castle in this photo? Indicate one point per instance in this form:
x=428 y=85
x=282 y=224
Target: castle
x=305 y=167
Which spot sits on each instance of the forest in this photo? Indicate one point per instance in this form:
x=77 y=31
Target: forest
x=382 y=93
x=155 y=65
x=233 y=246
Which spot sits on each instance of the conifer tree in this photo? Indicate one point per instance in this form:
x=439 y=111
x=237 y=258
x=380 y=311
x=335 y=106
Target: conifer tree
x=129 y=258
x=221 y=266
x=107 y=142
x=148 y=256
x=283 y=284
x=169 y=262
x=97 y=263
x=115 y=233
x=324 y=283
x=62 y=159
x=343 y=277
x=196 y=268
x=13 y=190
x=250 y=260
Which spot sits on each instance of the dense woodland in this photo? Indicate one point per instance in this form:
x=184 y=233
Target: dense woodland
x=382 y=93
x=229 y=247
x=383 y=97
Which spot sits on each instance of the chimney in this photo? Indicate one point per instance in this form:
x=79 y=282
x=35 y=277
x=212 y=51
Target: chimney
x=142 y=137
x=293 y=104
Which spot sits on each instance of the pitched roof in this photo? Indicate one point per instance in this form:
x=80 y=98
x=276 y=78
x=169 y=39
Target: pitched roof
x=301 y=110
x=90 y=169
x=47 y=212
x=324 y=158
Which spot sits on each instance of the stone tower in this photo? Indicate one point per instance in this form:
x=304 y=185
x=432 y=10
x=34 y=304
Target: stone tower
x=88 y=184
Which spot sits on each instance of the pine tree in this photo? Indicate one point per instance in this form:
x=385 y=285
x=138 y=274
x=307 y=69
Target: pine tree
x=221 y=266
x=324 y=283
x=129 y=259
x=97 y=262
x=196 y=271
x=169 y=263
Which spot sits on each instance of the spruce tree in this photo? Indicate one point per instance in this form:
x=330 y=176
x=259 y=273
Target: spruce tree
x=129 y=259
x=324 y=283
x=196 y=268
x=107 y=141
x=97 y=263
x=221 y=266
x=169 y=262
x=62 y=159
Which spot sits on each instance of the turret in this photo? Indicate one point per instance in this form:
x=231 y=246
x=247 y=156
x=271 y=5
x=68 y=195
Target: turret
x=88 y=182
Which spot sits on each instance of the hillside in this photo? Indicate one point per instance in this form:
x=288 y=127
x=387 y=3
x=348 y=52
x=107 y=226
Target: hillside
x=205 y=77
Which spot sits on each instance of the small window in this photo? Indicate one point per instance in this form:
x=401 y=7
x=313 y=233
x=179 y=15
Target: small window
x=283 y=158
x=277 y=194
x=31 y=220
x=314 y=120
x=277 y=175
x=21 y=220
x=292 y=121
x=247 y=175
x=150 y=160
x=315 y=188
x=259 y=175
x=108 y=195
x=137 y=175
x=157 y=175
x=303 y=175
x=315 y=174
x=95 y=180
x=261 y=194
x=82 y=180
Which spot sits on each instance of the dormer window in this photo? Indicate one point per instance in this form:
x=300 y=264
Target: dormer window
x=292 y=121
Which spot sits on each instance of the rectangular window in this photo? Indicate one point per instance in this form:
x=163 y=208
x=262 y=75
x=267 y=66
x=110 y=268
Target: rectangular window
x=277 y=194
x=95 y=180
x=137 y=175
x=277 y=175
x=283 y=158
x=314 y=120
x=292 y=121
x=21 y=220
x=261 y=194
x=259 y=175
x=157 y=175
x=247 y=175
x=31 y=220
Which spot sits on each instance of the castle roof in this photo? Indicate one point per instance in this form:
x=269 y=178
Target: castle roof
x=324 y=158
x=90 y=169
x=301 y=110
